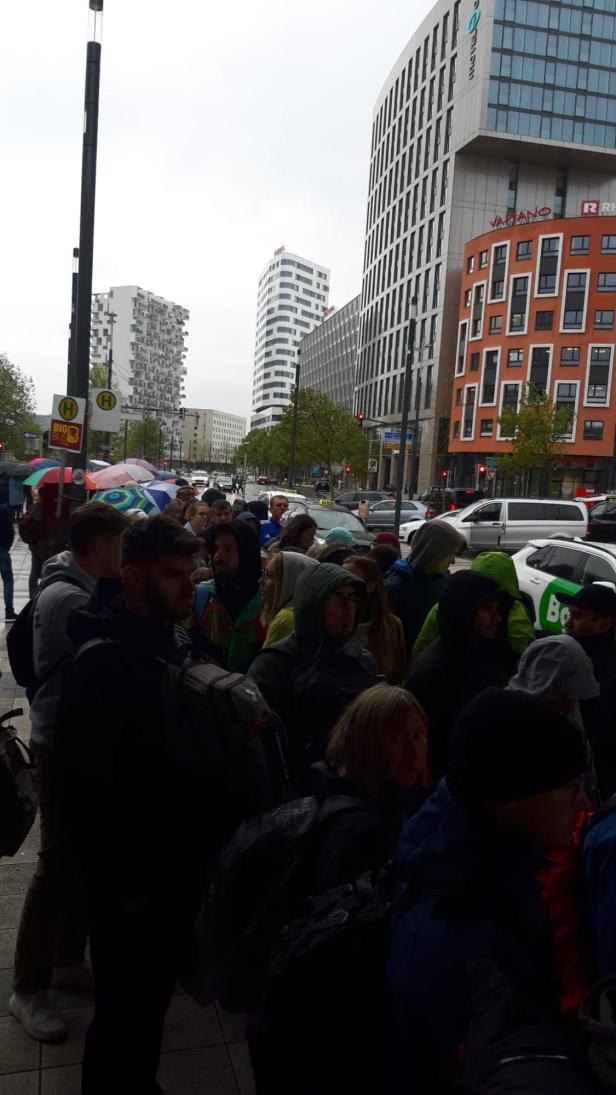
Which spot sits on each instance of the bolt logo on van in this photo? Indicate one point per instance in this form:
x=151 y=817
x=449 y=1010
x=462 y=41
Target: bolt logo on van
x=552 y=613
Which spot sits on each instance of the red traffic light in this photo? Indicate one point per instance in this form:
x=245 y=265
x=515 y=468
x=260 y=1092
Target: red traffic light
x=348 y=469
x=443 y=475
x=481 y=469
x=2 y=446
x=360 y=416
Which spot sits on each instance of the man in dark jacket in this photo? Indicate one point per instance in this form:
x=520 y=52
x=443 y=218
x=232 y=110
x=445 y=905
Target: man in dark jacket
x=140 y=825
x=415 y=584
x=7 y=535
x=592 y=622
x=470 y=654
x=311 y=676
x=470 y=859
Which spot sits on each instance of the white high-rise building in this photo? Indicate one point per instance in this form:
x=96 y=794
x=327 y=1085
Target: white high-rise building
x=147 y=335
x=293 y=296
x=210 y=437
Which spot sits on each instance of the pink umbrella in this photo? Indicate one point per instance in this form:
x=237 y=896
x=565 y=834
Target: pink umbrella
x=109 y=478
x=141 y=463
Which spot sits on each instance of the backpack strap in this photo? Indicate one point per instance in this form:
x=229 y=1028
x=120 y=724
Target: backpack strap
x=202 y=597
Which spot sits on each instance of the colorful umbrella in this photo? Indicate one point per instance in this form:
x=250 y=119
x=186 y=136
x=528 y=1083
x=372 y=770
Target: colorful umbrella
x=160 y=474
x=52 y=475
x=122 y=475
x=43 y=462
x=141 y=464
x=160 y=493
x=125 y=498
x=98 y=465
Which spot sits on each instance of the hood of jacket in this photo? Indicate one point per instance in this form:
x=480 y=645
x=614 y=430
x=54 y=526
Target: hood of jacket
x=237 y=591
x=63 y=566
x=312 y=587
x=403 y=568
x=141 y=635
x=293 y=565
x=460 y=599
x=553 y=667
x=498 y=566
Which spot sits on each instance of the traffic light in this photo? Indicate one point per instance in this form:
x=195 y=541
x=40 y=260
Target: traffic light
x=348 y=469
x=359 y=418
x=481 y=468
x=443 y=475
x=2 y=446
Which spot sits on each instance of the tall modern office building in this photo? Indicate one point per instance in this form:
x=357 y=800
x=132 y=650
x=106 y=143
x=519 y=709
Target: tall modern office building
x=210 y=436
x=292 y=298
x=329 y=355
x=494 y=115
x=147 y=335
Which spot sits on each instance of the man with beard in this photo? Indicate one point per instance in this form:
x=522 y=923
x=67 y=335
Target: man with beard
x=592 y=622
x=226 y=626
x=139 y=824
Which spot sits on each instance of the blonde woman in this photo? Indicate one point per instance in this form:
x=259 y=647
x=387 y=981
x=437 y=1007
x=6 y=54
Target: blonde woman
x=379 y=630
x=281 y=570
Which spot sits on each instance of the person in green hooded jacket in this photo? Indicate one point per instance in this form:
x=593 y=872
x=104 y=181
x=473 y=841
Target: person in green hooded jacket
x=499 y=566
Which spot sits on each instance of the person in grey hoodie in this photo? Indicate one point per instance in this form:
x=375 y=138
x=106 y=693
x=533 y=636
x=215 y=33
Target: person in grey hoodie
x=280 y=576
x=52 y=932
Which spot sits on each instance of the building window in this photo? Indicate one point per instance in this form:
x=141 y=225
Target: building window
x=593 y=430
x=500 y=253
x=517 y=321
x=579 y=245
x=483 y=259
x=459 y=394
x=512 y=192
x=524 y=250
x=497 y=291
x=566 y=396
x=456 y=429
x=496 y=325
x=550 y=245
x=470 y=264
x=606 y=283
x=487 y=427
x=604 y=319
x=598 y=375
x=543 y=321
x=490 y=374
x=474 y=362
x=515 y=358
x=573 y=319
x=576 y=280
x=476 y=328
x=467 y=297
x=547 y=284
x=570 y=355
x=608 y=245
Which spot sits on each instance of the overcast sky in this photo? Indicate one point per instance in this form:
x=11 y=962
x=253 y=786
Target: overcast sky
x=226 y=130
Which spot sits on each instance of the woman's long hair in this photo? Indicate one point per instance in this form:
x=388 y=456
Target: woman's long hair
x=354 y=748
x=272 y=587
x=381 y=629
x=294 y=528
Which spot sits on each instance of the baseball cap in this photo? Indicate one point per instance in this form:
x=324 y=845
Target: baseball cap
x=596 y=597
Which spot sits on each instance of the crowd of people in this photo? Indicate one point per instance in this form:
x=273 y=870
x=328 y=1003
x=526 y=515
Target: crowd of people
x=410 y=712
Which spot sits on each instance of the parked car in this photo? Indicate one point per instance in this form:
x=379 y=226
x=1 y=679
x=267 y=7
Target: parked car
x=546 y=568
x=200 y=479
x=445 y=499
x=264 y=480
x=328 y=515
x=351 y=498
x=224 y=483
x=509 y=523
x=381 y=514
x=602 y=520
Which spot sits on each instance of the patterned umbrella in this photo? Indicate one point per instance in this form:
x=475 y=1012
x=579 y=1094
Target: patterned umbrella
x=141 y=464
x=124 y=498
x=160 y=493
x=52 y=475
x=122 y=475
x=43 y=462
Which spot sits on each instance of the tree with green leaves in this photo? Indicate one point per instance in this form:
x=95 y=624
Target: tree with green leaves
x=537 y=428
x=17 y=407
x=143 y=439
x=97 y=440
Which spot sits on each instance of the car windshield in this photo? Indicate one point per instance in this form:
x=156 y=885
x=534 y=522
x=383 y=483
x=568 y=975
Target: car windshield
x=334 y=518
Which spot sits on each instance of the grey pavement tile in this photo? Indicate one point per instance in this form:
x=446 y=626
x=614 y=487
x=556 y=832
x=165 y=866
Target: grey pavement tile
x=8 y=938
x=18 y=1053
x=70 y=1051
x=15 y=877
x=10 y=910
x=188 y=1026
x=233 y=1026
x=28 y=852
x=20 y=1083
x=62 y=1081
x=196 y=1071
x=240 y=1059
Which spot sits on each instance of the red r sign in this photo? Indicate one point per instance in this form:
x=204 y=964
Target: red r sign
x=590 y=207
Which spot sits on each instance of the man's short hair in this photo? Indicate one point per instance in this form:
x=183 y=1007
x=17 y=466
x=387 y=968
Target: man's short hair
x=91 y=520
x=221 y=505
x=275 y=496
x=148 y=540
x=193 y=508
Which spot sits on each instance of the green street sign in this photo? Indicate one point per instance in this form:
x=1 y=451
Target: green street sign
x=491 y=461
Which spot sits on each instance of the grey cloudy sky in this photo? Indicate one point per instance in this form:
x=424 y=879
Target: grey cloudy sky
x=226 y=130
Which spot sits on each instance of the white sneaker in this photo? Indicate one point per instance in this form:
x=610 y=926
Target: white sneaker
x=36 y=1017
x=73 y=977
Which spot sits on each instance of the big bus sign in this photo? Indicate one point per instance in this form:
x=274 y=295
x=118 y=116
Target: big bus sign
x=521 y=216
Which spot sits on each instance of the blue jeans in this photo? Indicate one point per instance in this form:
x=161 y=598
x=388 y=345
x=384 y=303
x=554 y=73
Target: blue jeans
x=6 y=573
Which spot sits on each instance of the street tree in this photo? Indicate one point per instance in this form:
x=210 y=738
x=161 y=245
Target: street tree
x=537 y=429
x=17 y=407
x=143 y=439
x=327 y=434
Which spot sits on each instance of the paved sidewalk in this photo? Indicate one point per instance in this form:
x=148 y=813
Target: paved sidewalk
x=204 y=1052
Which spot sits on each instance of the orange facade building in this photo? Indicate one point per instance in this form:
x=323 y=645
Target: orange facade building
x=538 y=305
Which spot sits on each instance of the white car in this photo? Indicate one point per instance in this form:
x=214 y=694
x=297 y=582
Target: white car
x=200 y=479
x=508 y=524
x=295 y=500
x=409 y=528
x=546 y=568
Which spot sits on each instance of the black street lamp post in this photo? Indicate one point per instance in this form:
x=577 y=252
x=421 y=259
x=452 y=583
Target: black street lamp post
x=406 y=399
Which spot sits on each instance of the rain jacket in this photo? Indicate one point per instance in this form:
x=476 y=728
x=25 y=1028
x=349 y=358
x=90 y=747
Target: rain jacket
x=309 y=677
x=412 y=593
x=226 y=626
x=599 y=858
x=474 y=896
x=499 y=566
x=64 y=587
x=459 y=664
x=293 y=565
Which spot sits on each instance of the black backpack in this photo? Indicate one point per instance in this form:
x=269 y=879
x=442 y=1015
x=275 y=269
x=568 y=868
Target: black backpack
x=20 y=640
x=256 y=889
x=17 y=795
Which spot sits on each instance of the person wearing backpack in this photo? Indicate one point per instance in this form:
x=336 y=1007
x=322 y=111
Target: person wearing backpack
x=144 y=827
x=7 y=535
x=52 y=932
x=312 y=675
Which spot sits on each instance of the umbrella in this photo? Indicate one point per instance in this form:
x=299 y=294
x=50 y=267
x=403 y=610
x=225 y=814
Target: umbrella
x=160 y=493
x=43 y=462
x=124 y=498
x=141 y=464
x=121 y=475
x=98 y=465
x=52 y=475
x=160 y=474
